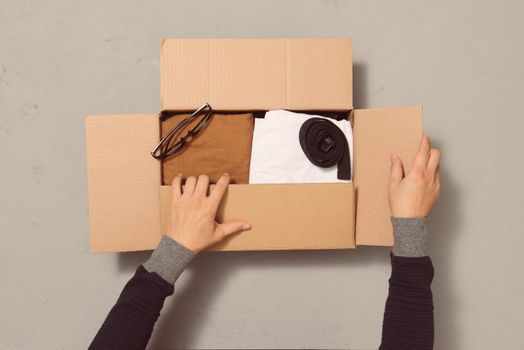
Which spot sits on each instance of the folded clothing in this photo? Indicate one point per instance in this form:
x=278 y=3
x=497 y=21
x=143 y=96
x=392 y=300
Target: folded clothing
x=224 y=145
x=277 y=156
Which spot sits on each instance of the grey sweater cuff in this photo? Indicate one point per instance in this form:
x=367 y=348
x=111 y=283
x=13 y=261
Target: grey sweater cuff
x=411 y=236
x=169 y=259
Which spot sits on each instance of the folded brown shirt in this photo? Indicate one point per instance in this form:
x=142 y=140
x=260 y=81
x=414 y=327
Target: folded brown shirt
x=223 y=146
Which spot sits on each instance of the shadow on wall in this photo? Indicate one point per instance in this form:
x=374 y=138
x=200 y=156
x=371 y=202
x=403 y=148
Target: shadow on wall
x=360 y=85
x=445 y=224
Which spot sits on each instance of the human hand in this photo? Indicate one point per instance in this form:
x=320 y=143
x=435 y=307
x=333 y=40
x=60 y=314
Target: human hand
x=414 y=194
x=193 y=213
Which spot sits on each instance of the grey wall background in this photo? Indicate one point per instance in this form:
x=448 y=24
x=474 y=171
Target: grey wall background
x=61 y=60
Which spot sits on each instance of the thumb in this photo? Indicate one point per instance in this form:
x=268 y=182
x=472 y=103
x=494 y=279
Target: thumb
x=229 y=228
x=397 y=169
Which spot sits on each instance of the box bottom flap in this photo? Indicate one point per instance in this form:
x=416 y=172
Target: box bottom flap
x=284 y=216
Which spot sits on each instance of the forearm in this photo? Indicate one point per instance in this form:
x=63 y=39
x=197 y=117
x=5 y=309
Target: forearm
x=131 y=320
x=408 y=317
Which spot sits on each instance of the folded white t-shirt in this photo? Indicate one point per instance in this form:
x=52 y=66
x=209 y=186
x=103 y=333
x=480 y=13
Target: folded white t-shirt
x=276 y=154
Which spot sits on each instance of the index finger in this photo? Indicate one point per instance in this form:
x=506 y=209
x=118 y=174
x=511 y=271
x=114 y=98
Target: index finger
x=220 y=189
x=422 y=157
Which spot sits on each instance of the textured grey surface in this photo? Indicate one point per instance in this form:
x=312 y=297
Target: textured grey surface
x=169 y=259
x=61 y=60
x=411 y=236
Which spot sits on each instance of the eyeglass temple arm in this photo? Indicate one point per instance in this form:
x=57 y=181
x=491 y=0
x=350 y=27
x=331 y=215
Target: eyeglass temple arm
x=159 y=145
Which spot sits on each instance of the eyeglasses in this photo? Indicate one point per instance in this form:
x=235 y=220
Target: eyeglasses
x=170 y=146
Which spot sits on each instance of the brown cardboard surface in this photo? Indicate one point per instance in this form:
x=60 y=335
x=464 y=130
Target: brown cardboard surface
x=251 y=74
x=284 y=216
x=124 y=212
x=377 y=134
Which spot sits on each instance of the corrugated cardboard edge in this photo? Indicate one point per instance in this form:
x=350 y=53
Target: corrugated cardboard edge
x=377 y=134
x=284 y=216
x=123 y=180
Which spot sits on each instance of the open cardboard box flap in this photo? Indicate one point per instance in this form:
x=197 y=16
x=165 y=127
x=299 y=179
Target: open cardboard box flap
x=123 y=181
x=256 y=74
x=377 y=134
x=128 y=207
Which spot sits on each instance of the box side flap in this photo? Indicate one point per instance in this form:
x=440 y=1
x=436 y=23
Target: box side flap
x=123 y=180
x=247 y=74
x=284 y=216
x=377 y=134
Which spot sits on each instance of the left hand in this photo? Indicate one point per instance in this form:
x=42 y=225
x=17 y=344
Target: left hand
x=414 y=194
x=193 y=213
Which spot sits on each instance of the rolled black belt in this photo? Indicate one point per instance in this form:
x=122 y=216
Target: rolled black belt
x=325 y=145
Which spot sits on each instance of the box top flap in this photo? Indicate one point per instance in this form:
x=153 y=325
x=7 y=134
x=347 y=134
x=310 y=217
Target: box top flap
x=263 y=74
x=123 y=182
x=377 y=134
x=279 y=218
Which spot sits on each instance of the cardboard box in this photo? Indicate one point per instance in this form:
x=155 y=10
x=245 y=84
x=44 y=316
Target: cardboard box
x=129 y=208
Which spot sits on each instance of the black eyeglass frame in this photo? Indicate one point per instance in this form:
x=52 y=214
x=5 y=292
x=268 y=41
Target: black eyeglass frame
x=163 y=150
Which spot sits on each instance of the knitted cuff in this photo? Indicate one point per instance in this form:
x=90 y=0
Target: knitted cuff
x=411 y=236
x=169 y=259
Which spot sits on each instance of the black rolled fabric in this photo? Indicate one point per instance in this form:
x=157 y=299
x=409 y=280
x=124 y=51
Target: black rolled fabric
x=325 y=145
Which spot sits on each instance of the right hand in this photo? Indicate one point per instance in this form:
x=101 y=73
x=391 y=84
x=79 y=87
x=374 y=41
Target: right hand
x=414 y=194
x=193 y=213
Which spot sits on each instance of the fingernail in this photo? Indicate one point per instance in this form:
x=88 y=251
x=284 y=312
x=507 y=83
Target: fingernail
x=226 y=174
x=246 y=227
x=179 y=174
